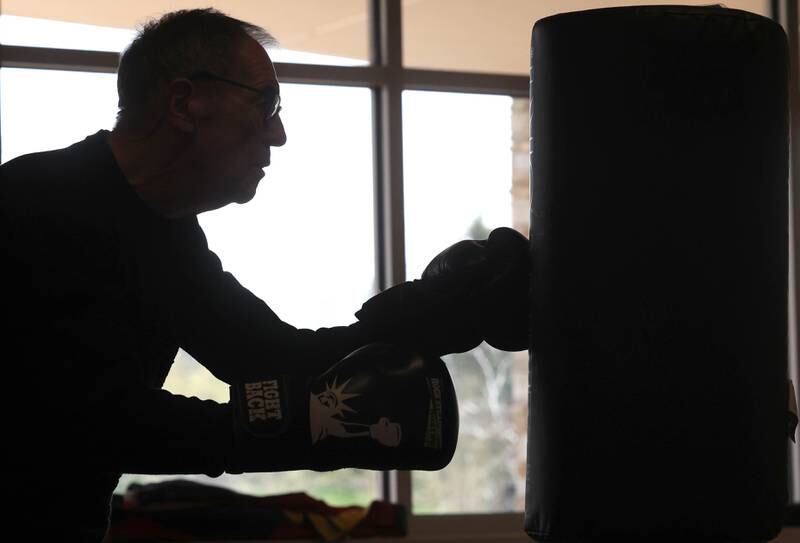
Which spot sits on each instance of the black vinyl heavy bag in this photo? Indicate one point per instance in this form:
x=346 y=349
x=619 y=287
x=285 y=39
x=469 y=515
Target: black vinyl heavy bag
x=658 y=355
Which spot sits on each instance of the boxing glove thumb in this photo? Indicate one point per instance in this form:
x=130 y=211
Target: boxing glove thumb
x=504 y=298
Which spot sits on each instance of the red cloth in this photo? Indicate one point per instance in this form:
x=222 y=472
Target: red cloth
x=185 y=510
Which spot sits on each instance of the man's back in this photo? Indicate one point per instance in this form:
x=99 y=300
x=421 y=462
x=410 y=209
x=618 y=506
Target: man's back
x=57 y=247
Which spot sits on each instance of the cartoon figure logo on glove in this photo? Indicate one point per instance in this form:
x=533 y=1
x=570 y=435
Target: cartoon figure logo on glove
x=328 y=417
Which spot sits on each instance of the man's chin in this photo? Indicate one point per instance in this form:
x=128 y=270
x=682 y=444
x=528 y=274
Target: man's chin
x=247 y=190
x=243 y=198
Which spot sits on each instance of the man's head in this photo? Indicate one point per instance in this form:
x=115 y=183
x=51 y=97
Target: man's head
x=204 y=83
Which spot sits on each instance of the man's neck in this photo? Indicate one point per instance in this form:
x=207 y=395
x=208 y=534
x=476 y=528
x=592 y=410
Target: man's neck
x=151 y=166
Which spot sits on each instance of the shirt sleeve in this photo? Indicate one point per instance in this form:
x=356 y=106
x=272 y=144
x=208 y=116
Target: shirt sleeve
x=234 y=333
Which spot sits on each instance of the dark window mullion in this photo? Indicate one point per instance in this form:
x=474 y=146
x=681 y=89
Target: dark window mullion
x=386 y=52
x=385 y=31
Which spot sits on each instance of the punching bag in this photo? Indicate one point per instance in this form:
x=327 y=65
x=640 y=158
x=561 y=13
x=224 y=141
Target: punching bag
x=658 y=355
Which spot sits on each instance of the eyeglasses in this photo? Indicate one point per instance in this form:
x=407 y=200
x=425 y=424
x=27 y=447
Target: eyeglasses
x=271 y=94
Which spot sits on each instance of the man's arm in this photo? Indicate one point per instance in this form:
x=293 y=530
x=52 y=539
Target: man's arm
x=234 y=333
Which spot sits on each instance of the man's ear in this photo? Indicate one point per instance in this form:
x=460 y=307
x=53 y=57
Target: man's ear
x=180 y=112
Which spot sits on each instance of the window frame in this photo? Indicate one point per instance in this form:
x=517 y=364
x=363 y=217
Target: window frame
x=785 y=13
x=387 y=78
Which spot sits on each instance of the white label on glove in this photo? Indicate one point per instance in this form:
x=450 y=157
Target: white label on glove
x=263 y=401
x=328 y=417
x=260 y=407
x=433 y=433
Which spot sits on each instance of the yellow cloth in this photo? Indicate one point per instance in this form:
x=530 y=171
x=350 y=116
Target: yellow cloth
x=331 y=527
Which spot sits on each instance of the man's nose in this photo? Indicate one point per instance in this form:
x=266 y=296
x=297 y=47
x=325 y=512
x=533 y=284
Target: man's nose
x=275 y=133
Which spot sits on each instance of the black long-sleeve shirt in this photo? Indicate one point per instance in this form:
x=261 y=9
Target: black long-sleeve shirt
x=98 y=294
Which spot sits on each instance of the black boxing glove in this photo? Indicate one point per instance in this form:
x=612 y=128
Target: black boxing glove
x=429 y=315
x=379 y=408
x=474 y=290
x=500 y=296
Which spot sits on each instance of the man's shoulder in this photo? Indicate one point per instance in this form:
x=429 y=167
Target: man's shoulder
x=55 y=176
x=57 y=161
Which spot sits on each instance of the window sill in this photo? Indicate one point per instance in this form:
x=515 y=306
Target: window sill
x=789 y=534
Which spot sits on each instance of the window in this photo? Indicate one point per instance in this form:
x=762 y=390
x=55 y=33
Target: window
x=85 y=103
x=432 y=41
x=458 y=161
x=409 y=125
